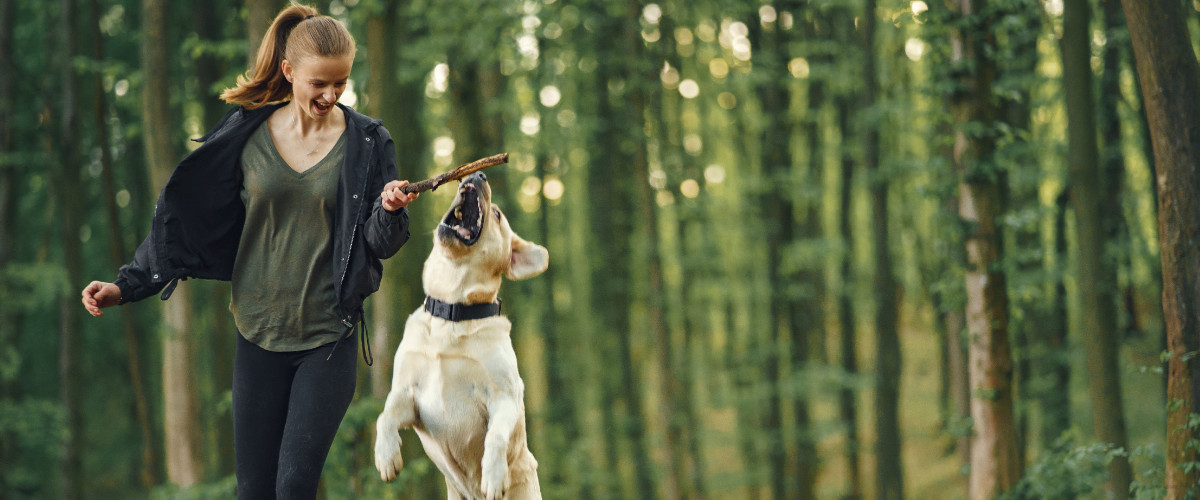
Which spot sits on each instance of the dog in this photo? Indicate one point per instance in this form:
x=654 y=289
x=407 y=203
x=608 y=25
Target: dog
x=455 y=378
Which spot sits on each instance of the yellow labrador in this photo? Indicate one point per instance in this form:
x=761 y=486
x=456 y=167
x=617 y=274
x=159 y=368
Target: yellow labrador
x=455 y=379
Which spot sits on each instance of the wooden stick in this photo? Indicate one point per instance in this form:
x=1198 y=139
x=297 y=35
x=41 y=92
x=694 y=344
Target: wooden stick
x=456 y=174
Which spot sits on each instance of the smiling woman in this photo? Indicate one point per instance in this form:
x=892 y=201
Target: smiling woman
x=276 y=195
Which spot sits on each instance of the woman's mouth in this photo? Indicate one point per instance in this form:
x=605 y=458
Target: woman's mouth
x=321 y=109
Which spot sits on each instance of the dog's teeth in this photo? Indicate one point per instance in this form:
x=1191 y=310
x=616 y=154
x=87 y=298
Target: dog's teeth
x=458 y=212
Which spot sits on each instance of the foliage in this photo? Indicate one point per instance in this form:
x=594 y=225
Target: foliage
x=350 y=469
x=1065 y=470
x=36 y=432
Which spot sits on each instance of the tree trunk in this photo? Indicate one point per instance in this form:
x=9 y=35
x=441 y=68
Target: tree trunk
x=260 y=14
x=1054 y=401
x=613 y=230
x=1096 y=275
x=141 y=412
x=889 y=479
x=994 y=461
x=184 y=458
x=67 y=192
x=1170 y=81
x=650 y=252
x=848 y=340
x=381 y=92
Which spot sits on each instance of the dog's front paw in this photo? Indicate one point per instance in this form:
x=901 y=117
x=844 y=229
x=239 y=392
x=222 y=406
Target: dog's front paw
x=495 y=479
x=387 y=455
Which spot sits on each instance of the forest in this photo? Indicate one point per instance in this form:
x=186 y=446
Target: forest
x=824 y=249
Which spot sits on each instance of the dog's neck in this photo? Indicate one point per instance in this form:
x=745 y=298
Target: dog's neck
x=459 y=284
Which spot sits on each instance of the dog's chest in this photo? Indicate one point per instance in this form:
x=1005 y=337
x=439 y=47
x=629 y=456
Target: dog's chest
x=451 y=394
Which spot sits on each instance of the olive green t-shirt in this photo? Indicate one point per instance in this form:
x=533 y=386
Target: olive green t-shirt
x=283 y=290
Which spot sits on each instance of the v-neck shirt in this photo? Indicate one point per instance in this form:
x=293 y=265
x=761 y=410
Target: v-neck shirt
x=283 y=286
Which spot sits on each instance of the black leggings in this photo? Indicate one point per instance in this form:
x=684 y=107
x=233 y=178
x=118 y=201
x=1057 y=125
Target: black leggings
x=286 y=410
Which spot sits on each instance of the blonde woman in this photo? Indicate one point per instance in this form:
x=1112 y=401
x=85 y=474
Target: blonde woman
x=294 y=199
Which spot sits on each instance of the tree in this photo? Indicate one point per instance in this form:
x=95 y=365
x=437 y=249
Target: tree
x=889 y=479
x=994 y=462
x=181 y=412
x=147 y=473
x=64 y=152
x=1170 y=80
x=1097 y=274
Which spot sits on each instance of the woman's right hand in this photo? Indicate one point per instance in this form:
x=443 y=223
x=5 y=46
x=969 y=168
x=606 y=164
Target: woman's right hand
x=100 y=294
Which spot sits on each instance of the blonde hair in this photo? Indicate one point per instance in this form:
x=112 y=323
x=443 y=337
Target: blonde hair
x=298 y=32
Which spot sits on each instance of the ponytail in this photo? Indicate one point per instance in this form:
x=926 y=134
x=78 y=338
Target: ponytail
x=315 y=35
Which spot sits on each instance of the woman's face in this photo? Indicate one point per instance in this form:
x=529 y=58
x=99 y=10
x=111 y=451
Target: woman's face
x=318 y=82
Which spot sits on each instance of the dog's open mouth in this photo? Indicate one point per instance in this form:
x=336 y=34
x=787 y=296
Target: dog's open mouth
x=465 y=219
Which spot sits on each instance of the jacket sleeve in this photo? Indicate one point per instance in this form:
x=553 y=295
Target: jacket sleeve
x=385 y=232
x=137 y=280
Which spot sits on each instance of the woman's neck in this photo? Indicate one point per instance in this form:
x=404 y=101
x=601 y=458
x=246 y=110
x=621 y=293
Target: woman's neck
x=306 y=126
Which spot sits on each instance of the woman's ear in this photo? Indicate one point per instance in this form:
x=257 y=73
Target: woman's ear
x=286 y=68
x=527 y=260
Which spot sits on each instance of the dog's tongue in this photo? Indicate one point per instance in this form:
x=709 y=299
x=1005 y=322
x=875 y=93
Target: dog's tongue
x=464 y=232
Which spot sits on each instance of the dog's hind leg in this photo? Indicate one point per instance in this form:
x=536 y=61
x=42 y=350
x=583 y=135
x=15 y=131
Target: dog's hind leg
x=398 y=413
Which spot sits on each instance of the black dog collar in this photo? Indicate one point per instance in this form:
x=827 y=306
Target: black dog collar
x=461 y=312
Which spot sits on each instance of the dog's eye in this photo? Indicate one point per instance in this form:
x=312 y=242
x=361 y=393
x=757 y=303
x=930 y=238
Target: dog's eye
x=497 y=212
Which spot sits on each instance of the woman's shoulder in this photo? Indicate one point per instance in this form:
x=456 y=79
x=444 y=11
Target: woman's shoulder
x=360 y=120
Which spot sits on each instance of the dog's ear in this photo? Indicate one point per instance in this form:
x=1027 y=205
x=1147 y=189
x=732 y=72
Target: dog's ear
x=528 y=259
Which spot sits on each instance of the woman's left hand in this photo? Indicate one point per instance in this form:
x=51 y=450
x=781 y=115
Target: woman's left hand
x=393 y=198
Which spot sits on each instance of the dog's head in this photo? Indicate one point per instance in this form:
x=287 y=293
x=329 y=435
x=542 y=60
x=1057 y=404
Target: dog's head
x=474 y=245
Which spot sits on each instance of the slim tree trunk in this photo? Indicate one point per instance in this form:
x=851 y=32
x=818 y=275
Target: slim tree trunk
x=260 y=13
x=184 y=458
x=1097 y=274
x=614 y=229
x=777 y=208
x=381 y=93
x=994 y=462
x=650 y=252
x=67 y=192
x=1170 y=81
x=1054 y=401
x=889 y=470
x=147 y=467
x=848 y=340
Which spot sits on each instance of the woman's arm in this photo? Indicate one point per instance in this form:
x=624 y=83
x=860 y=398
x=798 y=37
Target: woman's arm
x=386 y=230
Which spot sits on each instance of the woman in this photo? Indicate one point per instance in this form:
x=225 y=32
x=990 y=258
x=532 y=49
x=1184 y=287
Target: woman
x=291 y=197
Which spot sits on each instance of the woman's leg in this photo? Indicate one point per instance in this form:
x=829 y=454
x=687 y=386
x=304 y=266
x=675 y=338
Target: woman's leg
x=320 y=394
x=262 y=383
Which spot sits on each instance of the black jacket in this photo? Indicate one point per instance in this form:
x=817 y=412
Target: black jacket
x=199 y=216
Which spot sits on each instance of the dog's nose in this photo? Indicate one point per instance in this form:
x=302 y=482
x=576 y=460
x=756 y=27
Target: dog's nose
x=476 y=177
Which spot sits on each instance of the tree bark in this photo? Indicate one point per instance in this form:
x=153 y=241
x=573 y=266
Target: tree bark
x=847 y=335
x=610 y=178
x=381 y=91
x=1097 y=274
x=1170 y=81
x=994 y=461
x=67 y=192
x=260 y=15
x=184 y=458
x=146 y=471
x=889 y=479
x=669 y=387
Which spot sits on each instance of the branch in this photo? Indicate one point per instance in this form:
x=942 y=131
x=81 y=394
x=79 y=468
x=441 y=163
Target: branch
x=456 y=174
